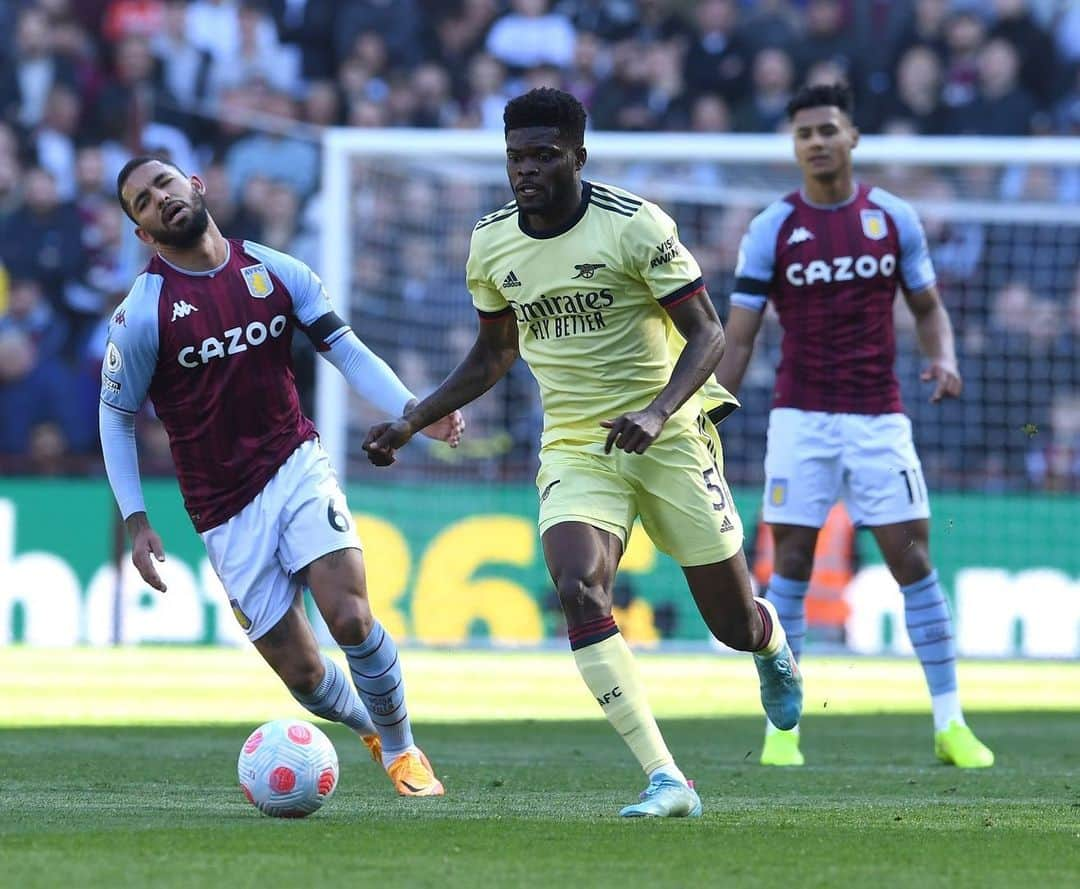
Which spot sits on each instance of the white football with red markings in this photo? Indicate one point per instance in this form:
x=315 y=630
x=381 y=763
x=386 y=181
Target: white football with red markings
x=288 y=768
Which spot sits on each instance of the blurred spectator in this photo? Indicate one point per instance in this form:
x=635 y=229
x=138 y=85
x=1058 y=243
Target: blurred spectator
x=213 y=25
x=924 y=26
x=965 y=33
x=31 y=314
x=322 y=104
x=396 y=21
x=258 y=56
x=433 y=104
x=136 y=99
x=770 y=23
x=460 y=29
x=274 y=155
x=828 y=38
x=1040 y=74
x=917 y=97
x=364 y=73
x=591 y=64
x=32 y=71
x=531 y=34
x=710 y=114
x=47 y=451
x=606 y=19
x=1001 y=106
x=622 y=101
x=185 y=67
x=75 y=44
x=310 y=26
x=35 y=385
x=718 y=60
x=41 y=240
x=658 y=21
x=486 y=93
x=54 y=138
x=772 y=81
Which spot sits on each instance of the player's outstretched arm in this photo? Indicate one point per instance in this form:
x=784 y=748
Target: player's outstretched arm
x=695 y=318
x=934 y=329
x=741 y=330
x=117 y=430
x=491 y=355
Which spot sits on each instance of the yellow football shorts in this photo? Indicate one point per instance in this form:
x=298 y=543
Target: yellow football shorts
x=676 y=487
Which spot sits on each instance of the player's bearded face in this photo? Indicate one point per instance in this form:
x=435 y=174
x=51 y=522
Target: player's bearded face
x=180 y=221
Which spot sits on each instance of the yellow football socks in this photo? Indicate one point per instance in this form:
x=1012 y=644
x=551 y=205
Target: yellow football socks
x=609 y=671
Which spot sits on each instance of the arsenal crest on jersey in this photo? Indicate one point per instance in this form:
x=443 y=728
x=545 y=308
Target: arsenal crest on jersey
x=873 y=224
x=259 y=283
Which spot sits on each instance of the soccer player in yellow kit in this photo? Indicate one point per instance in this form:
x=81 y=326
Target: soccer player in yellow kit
x=588 y=283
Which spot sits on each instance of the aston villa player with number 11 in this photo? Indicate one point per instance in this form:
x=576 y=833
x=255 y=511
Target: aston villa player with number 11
x=831 y=257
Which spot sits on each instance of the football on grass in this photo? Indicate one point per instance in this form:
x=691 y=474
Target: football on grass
x=287 y=768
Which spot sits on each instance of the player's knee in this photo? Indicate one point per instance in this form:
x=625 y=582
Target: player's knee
x=350 y=621
x=795 y=563
x=912 y=565
x=581 y=600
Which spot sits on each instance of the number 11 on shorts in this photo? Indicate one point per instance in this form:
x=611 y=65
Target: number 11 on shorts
x=916 y=487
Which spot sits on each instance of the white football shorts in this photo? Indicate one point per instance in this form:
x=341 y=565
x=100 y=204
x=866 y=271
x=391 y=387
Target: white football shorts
x=299 y=516
x=814 y=458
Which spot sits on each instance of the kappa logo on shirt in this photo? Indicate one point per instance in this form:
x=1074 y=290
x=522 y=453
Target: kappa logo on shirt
x=800 y=235
x=182 y=309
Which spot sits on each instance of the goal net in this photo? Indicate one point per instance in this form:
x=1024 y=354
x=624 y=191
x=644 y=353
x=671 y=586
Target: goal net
x=1002 y=221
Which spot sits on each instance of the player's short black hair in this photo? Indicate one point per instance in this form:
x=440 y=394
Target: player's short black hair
x=547 y=107
x=133 y=165
x=838 y=95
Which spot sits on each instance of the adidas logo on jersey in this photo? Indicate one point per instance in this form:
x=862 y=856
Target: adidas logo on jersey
x=727 y=525
x=511 y=280
x=182 y=309
x=800 y=235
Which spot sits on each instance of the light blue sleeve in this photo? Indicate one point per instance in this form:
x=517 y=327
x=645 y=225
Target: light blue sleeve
x=131 y=352
x=118 y=447
x=916 y=266
x=309 y=296
x=757 y=257
x=366 y=372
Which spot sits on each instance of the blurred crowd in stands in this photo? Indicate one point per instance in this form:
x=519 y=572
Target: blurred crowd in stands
x=239 y=91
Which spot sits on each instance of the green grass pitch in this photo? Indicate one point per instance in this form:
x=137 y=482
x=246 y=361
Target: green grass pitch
x=118 y=769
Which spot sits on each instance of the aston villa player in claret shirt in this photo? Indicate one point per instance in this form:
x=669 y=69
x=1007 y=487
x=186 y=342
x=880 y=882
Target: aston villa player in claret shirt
x=831 y=257
x=205 y=333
